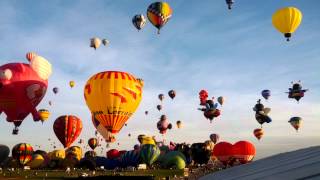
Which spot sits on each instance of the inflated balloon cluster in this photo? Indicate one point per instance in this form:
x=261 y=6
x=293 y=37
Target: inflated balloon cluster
x=210 y=109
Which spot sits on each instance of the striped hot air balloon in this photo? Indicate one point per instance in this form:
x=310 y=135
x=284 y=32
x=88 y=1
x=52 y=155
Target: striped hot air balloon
x=130 y=158
x=159 y=14
x=112 y=98
x=67 y=129
x=258 y=133
x=30 y=55
x=22 y=152
x=149 y=153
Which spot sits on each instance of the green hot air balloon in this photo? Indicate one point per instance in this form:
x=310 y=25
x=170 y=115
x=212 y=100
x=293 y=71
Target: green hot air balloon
x=149 y=153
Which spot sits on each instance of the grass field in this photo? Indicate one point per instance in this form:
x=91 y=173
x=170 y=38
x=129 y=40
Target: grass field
x=59 y=174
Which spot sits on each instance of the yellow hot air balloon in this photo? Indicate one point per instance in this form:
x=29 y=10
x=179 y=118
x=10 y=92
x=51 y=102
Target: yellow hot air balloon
x=148 y=140
x=36 y=162
x=287 y=20
x=71 y=84
x=44 y=114
x=57 y=154
x=112 y=97
x=74 y=151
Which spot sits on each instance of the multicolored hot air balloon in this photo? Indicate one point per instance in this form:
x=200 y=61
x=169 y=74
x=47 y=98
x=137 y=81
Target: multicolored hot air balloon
x=95 y=43
x=295 y=122
x=172 y=94
x=22 y=88
x=159 y=14
x=112 y=98
x=139 y=21
x=44 y=114
x=244 y=151
x=55 y=90
x=296 y=92
x=130 y=158
x=72 y=84
x=30 y=55
x=93 y=143
x=266 y=94
x=149 y=153
x=214 y=138
x=67 y=129
x=22 y=152
x=287 y=20
x=258 y=133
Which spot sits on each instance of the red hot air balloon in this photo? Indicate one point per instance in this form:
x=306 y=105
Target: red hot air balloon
x=93 y=143
x=203 y=95
x=22 y=87
x=67 y=129
x=244 y=151
x=223 y=151
x=30 y=55
x=113 y=154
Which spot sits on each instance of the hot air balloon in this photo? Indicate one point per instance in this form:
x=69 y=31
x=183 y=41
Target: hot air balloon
x=112 y=97
x=90 y=154
x=55 y=90
x=95 y=43
x=74 y=152
x=174 y=159
x=93 y=143
x=214 y=138
x=159 y=107
x=37 y=161
x=203 y=95
x=266 y=94
x=22 y=88
x=105 y=42
x=149 y=153
x=67 y=129
x=199 y=153
x=130 y=158
x=72 y=84
x=161 y=97
x=4 y=152
x=210 y=110
x=287 y=20
x=136 y=147
x=50 y=103
x=159 y=14
x=262 y=113
x=146 y=112
x=172 y=94
x=139 y=21
x=30 y=55
x=179 y=124
x=22 y=153
x=220 y=100
x=296 y=92
x=244 y=151
x=113 y=154
x=258 y=133
x=44 y=114
x=223 y=152
x=229 y=3
x=296 y=122
x=163 y=125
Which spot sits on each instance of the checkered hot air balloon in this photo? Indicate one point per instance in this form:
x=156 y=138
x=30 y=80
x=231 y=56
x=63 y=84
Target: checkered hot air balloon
x=159 y=14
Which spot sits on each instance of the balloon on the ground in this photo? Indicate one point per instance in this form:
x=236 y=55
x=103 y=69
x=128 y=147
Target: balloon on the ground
x=223 y=152
x=174 y=159
x=244 y=151
x=149 y=153
x=4 y=152
x=22 y=153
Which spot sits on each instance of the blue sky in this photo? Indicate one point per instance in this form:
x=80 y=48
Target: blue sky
x=235 y=54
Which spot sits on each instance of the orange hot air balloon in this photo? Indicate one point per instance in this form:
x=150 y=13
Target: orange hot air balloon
x=258 y=133
x=67 y=129
x=112 y=98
